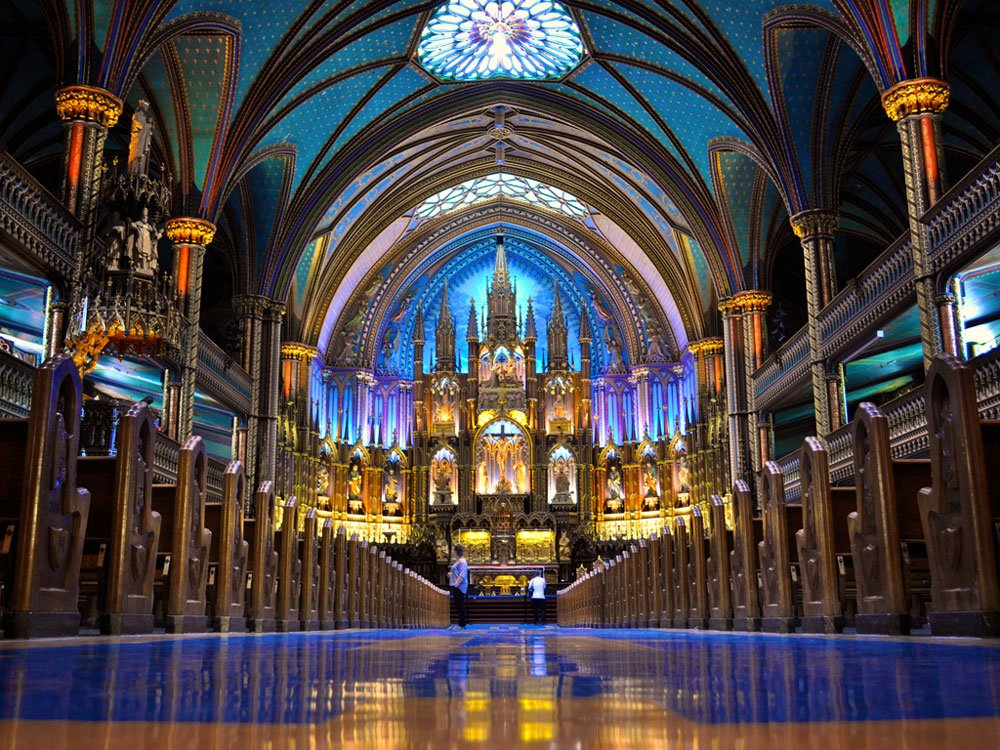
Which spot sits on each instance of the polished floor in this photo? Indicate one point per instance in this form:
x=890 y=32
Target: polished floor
x=500 y=687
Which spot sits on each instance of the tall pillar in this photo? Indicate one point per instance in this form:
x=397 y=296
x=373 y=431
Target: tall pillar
x=950 y=320
x=249 y=310
x=54 y=336
x=815 y=230
x=916 y=106
x=271 y=400
x=190 y=237
x=744 y=339
x=87 y=114
x=296 y=378
x=709 y=377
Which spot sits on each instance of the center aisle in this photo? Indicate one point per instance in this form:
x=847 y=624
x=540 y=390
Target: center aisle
x=499 y=686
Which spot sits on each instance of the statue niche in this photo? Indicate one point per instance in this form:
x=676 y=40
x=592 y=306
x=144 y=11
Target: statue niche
x=444 y=478
x=392 y=480
x=614 y=483
x=502 y=460
x=356 y=483
x=562 y=476
x=650 y=478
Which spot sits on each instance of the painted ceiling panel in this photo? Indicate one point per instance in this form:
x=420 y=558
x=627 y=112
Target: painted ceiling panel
x=800 y=61
x=265 y=181
x=386 y=43
x=692 y=118
x=736 y=174
x=403 y=84
x=621 y=39
x=328 y=107
x=205 y=67
x=601 y=85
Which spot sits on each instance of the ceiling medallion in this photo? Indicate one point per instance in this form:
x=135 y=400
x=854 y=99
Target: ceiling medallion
x=476 y=40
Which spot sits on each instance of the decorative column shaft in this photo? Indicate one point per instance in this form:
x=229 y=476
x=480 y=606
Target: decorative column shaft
x=55 y=324
x=916 y=106
x=190 y=237
x=709 y=374
x=87 y=114
x=270 y=382
x=950 y=320
x=815 y=230
x=250 y=310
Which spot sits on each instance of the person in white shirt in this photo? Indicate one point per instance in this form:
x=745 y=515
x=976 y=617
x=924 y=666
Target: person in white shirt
x=458 y=580
x=536 y=590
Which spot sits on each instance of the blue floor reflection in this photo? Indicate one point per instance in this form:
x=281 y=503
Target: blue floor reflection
x=302 y=678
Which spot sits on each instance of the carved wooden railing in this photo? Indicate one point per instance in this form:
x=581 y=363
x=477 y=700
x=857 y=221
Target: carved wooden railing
x=33 y=218
x=222 y=377
x=967 y=217
x=16 y=378
x=907 y=416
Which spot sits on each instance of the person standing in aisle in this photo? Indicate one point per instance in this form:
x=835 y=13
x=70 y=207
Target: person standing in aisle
x=458 y=580
x=536 y=590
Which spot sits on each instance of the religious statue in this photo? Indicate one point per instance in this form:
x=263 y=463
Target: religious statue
x=684 y=477
x=142 y=240
x=441 y=471
x=559 y=406
x=655 y=351
x=614 y=348
x=651 y=477
x=141 y=140
x=520 y=476
x=354 y=479
x=564 y=546
x=503 y=485
x=443 y=412
x=562 y=479
x=616 y=493
x=484 y=478
x=392 y=484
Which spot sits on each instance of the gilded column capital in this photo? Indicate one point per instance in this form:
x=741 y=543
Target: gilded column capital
x=246 y=305
x=296 y=350
x=188 y=231
x=88 y=103
x=917 y=96
x=749 y=300
x=818 y=222
x=706 y=347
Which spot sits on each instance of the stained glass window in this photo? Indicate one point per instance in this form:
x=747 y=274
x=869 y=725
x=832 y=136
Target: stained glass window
x=521 y=189
x=475 y=40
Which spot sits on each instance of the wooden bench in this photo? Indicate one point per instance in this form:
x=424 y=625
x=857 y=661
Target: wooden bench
x=667 y=570
x=311 y=573
x=960 y=509
x=747 y=536
x=286 y=613
x=123 y=532
x=230 y=552
x=681 y=579
x=264 y=563
x=886 y=517
x=43 y=513
x=775 y=552
x=720 y=609
x=184 y=540
x=822 y=539
x=328 y=592
x=697 y=572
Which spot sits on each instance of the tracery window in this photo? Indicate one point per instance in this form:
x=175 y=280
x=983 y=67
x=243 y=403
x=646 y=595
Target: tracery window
x=476 y=40
x=522 y=189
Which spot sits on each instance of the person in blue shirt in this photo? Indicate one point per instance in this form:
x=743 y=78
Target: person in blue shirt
x=536 y=590
x=458 y=580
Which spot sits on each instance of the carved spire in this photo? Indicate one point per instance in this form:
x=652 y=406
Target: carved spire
x=501 y=276
x=584 y=323
x=530 y=332
x=501 y=326
x=418 y=326
x=472 y=330
x=445 y=336
x=557 y=334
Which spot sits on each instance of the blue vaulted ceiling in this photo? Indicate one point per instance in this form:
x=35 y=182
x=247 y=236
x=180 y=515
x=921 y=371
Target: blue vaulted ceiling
x=271 y=115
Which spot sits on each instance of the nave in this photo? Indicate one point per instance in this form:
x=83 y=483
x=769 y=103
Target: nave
x=500 y=686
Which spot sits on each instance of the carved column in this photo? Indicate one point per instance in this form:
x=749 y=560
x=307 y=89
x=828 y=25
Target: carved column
x=55 y=324
x=296 y=378
x=916 y=106
x=190 y=237
x=709 y=379
x=743 y=335
x=815 y=230
x=950 y=320
x=249 y=310
x=270 y=395
x=87 y=114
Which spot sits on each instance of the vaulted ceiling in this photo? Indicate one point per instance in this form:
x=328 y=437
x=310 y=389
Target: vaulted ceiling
x=309 y=133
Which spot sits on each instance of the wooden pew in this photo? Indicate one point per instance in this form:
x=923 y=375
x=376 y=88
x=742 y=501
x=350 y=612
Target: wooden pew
x=43 y=511
x=655 y=582
x=353 y=586
x=749 y=533
x=341 y=582
x=311 y=573
x=960 y=508
x=720 y=610
x=230 y=551
x=697 y=572
x=328 y=592
x=264 y=566
x=681 y=579
x=286 y=613
x=124 y=525
x=185 y=539
x=644 y=585
x=667 y=570
x=823 y=535
x=364 y=603
x=887 y=515
x=774 y=551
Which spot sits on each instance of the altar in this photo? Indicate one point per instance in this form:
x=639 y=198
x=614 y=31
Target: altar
x=507 y=580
